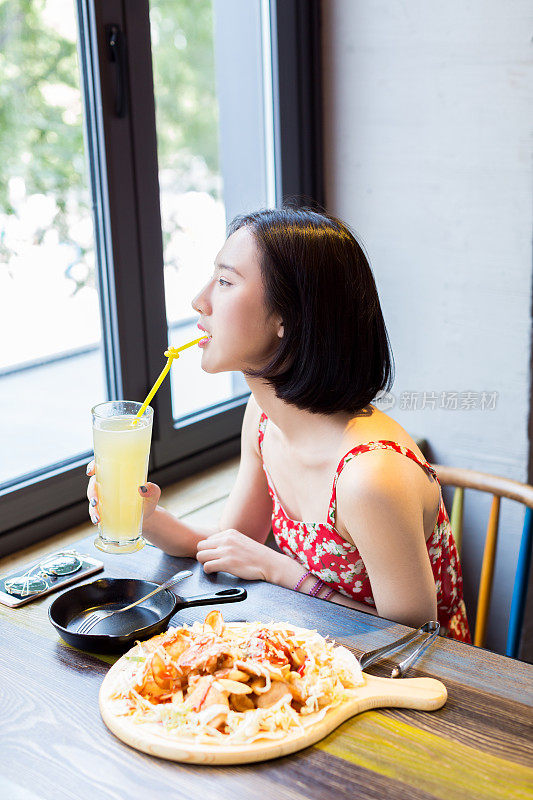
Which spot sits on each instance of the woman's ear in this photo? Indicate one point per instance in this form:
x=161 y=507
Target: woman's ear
x=281 y=330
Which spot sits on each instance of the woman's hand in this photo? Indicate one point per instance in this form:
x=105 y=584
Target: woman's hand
x=92 y=494
x=150 y=496
x=233 y=552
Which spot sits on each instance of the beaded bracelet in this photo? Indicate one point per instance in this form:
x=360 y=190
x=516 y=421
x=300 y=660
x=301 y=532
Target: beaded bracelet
x=302 y=579
x=316 y=588
x=326 y=596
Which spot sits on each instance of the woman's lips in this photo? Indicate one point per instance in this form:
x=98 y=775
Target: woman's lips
x=205 y=341
x=201 y=328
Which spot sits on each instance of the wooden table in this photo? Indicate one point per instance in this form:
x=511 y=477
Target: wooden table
x=55 y=745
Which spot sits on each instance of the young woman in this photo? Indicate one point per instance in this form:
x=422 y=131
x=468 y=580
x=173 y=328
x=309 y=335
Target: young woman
x=356 y=510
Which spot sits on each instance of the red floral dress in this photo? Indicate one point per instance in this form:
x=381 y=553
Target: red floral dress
x=323 y=551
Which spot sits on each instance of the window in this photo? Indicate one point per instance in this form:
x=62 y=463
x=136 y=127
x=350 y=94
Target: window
x=51 y=359
x=172 y=117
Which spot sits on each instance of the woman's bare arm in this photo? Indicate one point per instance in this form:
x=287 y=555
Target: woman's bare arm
x=174 y=536
x=382 y=511
x=248 y=508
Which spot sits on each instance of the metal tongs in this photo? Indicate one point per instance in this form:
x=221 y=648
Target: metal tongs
x=400 y=669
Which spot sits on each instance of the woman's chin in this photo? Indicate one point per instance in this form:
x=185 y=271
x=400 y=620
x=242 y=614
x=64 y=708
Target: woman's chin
x=206 y=366
x=211 y=365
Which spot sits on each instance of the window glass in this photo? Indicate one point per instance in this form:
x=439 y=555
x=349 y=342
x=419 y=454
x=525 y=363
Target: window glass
x=191 y=188
x=51 y=356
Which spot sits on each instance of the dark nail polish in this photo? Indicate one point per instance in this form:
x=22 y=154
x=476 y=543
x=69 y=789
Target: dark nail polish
x=144 y=489
x=94 y=501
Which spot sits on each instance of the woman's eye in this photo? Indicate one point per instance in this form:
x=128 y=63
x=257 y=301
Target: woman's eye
x=222 y=282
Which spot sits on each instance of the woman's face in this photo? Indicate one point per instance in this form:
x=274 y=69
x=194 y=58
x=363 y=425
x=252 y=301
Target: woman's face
x=232 y=309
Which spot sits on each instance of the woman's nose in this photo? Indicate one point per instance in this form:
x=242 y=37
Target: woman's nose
x=200 y=303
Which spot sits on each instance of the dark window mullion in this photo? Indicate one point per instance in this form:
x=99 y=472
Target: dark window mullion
x=297 y=90
x=149 y=228
x=125 y=271
x=93 y=132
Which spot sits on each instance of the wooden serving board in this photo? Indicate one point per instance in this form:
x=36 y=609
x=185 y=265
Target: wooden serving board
x=423 y=694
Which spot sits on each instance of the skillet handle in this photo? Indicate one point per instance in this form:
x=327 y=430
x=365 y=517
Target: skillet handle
x=223 y=596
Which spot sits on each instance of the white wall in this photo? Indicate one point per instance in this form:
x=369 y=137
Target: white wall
x=427 y=111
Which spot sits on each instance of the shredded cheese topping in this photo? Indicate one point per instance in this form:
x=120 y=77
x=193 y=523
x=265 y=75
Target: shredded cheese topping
x=233 y=683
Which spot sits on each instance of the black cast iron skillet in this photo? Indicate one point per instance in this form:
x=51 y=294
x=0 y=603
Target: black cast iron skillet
x=119 y=632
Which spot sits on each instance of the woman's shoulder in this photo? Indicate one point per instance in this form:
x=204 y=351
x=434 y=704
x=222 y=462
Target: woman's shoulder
x=379 y=427
x=382 y=469
x=385 y=475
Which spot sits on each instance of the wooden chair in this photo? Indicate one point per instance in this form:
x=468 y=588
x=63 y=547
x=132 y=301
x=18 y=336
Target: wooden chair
x=499 y=487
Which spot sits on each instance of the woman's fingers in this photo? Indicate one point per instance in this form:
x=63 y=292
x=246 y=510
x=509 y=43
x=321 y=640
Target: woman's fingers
x=93 y=509
x=214 y=559
x=91 y=489
x=92 y=494
x=218 y=565
x=150 y=492
x=206 y=555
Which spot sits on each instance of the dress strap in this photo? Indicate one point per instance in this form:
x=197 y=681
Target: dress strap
x=380 y=444
x=261 y=431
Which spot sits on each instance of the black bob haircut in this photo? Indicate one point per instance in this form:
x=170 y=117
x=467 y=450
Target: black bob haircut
x=335 y=353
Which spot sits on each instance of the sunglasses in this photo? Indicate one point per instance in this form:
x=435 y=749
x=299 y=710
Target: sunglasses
x=42 y=575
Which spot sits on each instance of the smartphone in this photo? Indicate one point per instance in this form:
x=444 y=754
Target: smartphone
x=44 y=576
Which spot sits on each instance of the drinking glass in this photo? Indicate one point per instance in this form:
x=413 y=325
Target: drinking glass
x=121 y=453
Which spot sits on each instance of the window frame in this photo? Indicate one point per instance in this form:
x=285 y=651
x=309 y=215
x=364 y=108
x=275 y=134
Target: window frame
x=125 y=187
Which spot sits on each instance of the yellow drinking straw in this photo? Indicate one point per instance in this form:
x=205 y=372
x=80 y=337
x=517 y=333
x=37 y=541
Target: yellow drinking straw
x=171 y=354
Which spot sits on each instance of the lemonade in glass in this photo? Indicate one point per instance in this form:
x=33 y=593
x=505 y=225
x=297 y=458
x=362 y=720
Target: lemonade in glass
x=121 y=453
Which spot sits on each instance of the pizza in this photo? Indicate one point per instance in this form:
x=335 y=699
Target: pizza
x=232 y=683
